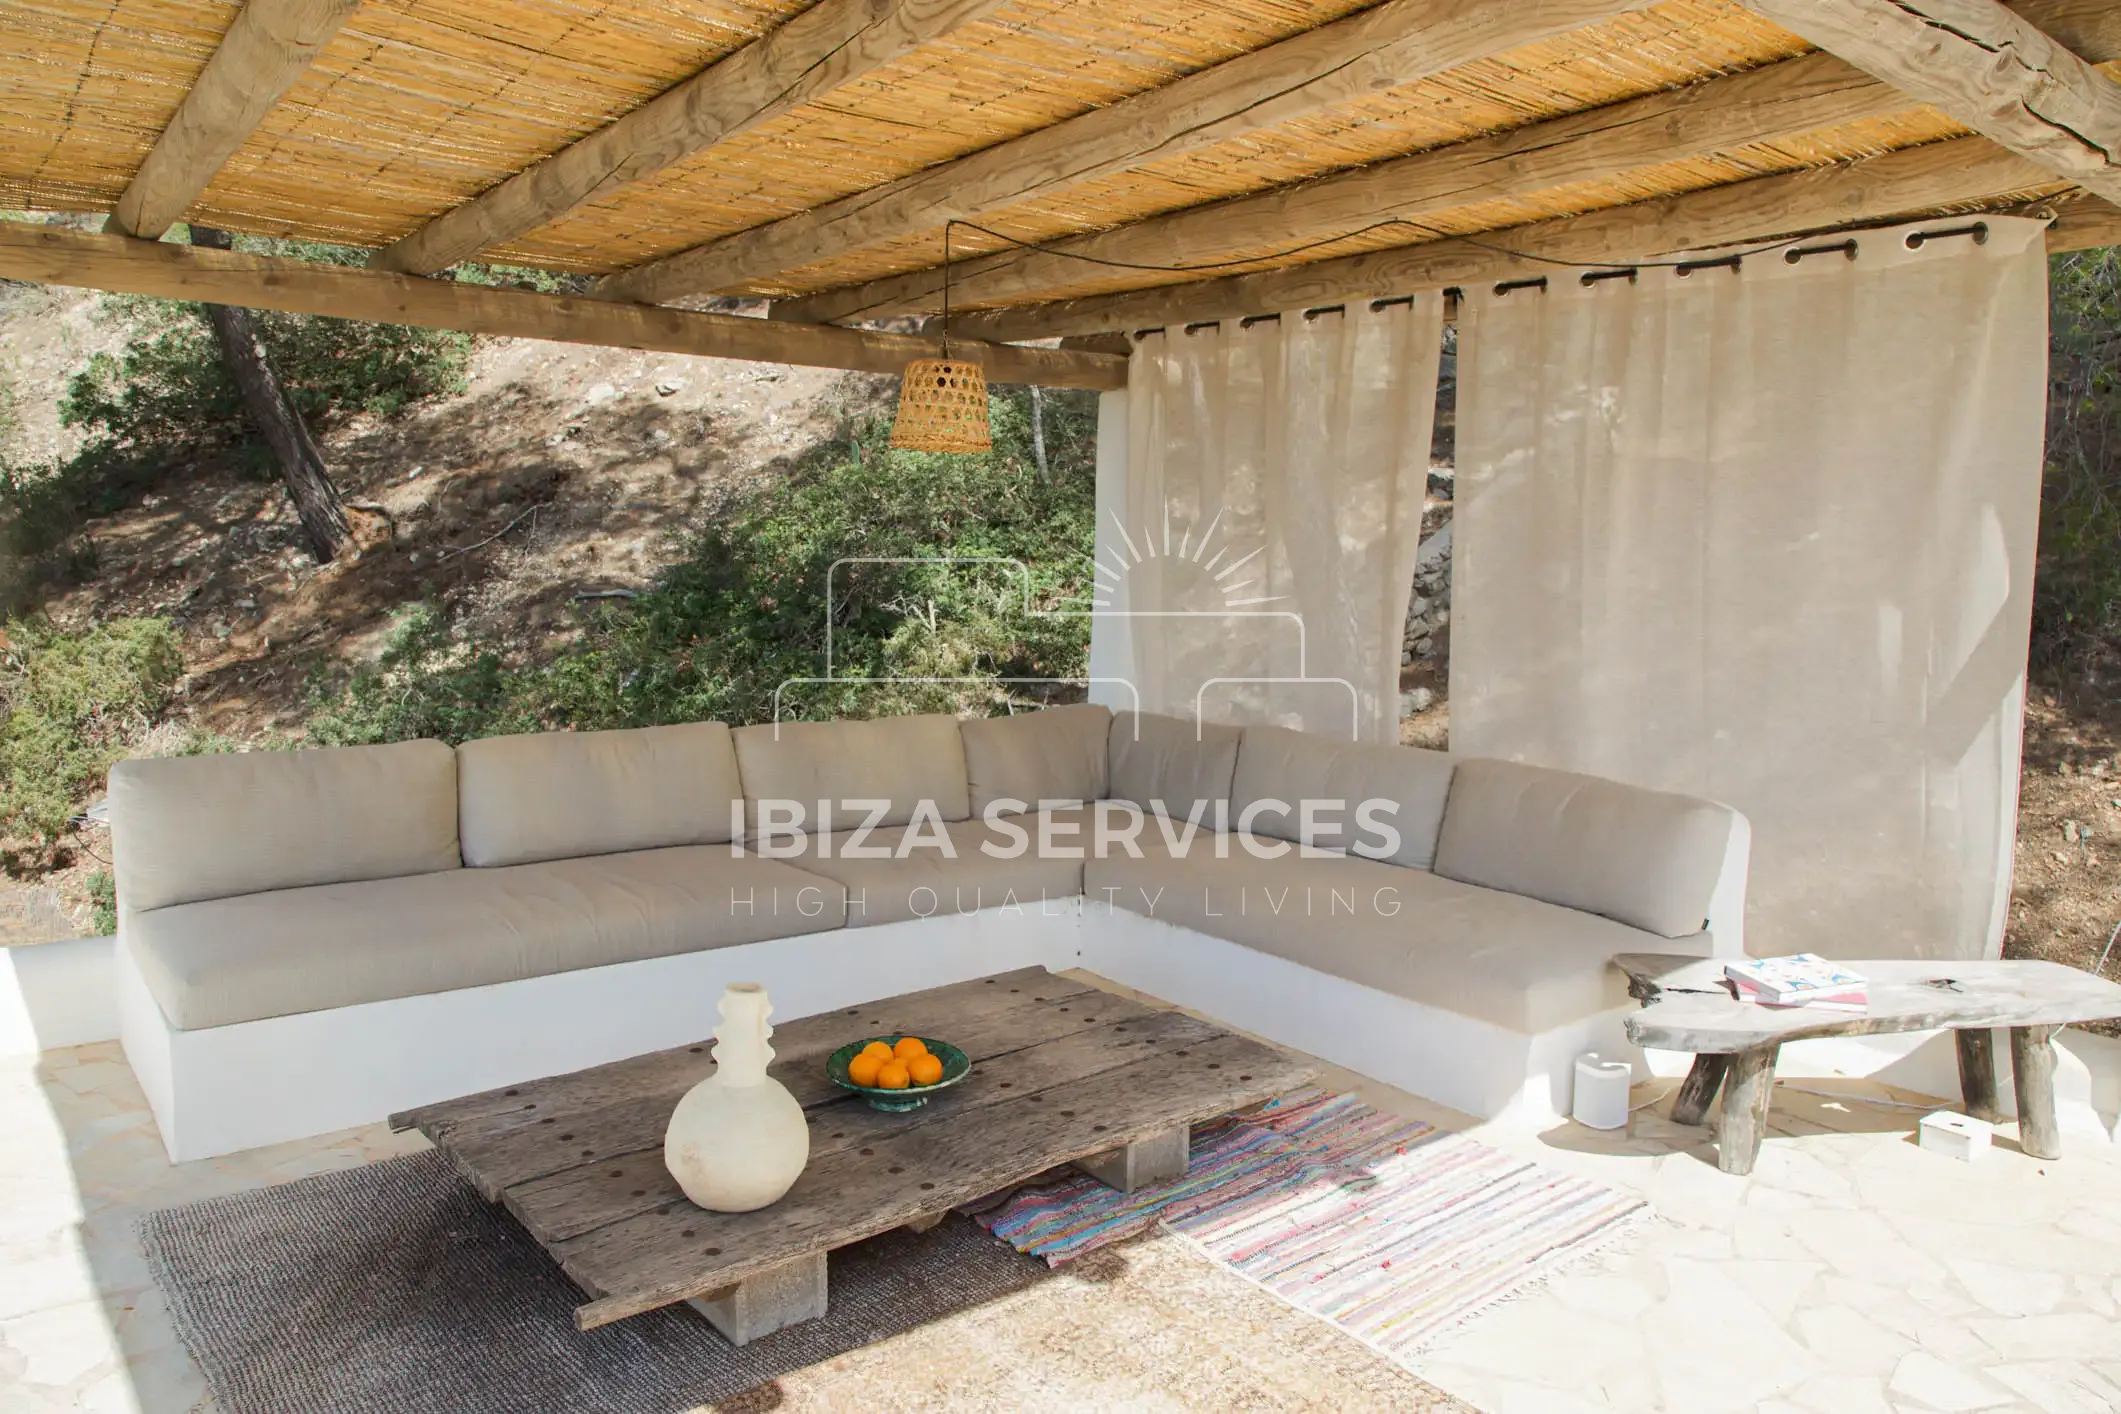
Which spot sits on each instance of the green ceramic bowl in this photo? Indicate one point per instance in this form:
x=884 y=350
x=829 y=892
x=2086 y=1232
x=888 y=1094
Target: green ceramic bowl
x=956 y=1066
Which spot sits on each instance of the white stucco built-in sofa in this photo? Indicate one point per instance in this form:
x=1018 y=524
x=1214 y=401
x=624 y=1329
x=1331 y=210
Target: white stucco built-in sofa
x=312 y=939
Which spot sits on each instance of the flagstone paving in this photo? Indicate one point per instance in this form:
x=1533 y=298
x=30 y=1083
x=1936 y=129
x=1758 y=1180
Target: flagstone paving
x=1850 y=1273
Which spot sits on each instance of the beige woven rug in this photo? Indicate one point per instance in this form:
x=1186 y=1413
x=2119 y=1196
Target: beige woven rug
x=396 y=1288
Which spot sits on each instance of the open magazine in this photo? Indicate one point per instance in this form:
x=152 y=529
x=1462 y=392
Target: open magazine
x=1799 y=980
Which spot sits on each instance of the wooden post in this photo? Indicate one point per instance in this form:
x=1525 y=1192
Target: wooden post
x=2033 y=1075
x=309 y=485
x=1696 y=1092
x=1748 y=1089
x=1977 y=1073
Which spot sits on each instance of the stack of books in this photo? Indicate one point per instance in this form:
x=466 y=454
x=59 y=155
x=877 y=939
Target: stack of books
x=1802 y=979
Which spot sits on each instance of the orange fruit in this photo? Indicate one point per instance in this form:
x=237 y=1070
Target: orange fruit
x=879 y=1049
x=908 y=1047
x=893 y=1077
x=862 y=1070
x=925 y=1069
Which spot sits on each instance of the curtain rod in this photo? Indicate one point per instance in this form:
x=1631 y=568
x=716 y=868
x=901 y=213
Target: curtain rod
x=1792 y=254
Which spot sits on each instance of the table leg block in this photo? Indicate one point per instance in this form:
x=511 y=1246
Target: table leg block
x=1977 y=1073
x=1748 y=1089
x=1698 y=1090
x=2033 y=1076
x=1152 y=1160
x=765 y=1303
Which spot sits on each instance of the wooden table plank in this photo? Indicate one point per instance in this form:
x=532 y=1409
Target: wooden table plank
x=1689 y=1010
x=582 y=1198
x=561 y=1135
x=658 y=1258
x=674 y=1071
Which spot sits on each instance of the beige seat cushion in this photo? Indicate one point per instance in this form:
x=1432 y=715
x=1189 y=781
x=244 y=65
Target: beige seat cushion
x=1058 y=754
x=1520 y=964
x=1642 y=857
x=1171 y=764
x=929 y=882
x=1276 y=764
x=335 y=945
x=207 y=827
x=561 y=795
x=898 y=760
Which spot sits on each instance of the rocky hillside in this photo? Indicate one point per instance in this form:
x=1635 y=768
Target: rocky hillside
x=558 y=479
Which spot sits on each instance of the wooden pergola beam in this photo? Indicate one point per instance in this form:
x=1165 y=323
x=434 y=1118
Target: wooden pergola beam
x=1395 y=44
x=1771 y=103
x=271 y=44
x=1797 y=96
x=824 y=47
x=1993 y=70
x=1968 y=170
x=2083 y=224
x=126 y=266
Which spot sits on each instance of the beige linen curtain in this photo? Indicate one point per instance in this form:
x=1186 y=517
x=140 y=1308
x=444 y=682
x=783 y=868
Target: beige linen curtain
x=1767 y=535
x=1275 y=474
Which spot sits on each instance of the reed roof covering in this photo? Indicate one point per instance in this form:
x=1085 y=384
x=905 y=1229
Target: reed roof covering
x=414 y=107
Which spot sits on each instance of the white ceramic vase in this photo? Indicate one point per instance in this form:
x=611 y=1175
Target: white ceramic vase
x=738 y=1139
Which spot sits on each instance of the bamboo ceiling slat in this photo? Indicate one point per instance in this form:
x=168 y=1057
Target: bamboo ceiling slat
x=87 y=87
x=1672 y=44
x=1030 y=65
x=418 y=105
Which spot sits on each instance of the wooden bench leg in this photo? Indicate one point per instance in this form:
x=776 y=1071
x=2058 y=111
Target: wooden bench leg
x=1152 y=1160
x=761 y=1305
x=1977 y=1073
x=1698 y=1090
x=2033 y=1075
x=1748 y=1087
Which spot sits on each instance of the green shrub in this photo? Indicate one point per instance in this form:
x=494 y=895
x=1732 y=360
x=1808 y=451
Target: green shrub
x=743 y=610
x=425 y=684
x=10 y=416
x=74 y=703
x=103 y=899
x=170 y=388
x=2077 y=588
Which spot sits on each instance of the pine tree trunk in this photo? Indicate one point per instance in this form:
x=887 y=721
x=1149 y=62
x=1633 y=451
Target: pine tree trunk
x=1038 y=434
x=309 y=484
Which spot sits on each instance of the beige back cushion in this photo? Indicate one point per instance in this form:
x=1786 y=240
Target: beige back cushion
x=202 y=827
x=562 y=795
x=1641 y=857
x=1274 y=763
x=1170 y=760
x=902 y=760
x=1057 y=754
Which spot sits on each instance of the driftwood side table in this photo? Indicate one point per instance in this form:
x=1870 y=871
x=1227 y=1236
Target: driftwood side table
x=1688 y=1007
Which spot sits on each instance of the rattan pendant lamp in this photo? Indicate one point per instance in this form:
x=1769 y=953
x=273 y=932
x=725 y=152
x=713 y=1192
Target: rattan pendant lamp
x=942 y=402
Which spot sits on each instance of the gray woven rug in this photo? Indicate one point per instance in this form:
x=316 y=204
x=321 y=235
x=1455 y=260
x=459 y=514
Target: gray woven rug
x=396 y=1289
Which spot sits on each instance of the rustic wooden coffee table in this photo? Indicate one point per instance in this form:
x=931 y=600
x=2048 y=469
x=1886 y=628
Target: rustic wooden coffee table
x=1687 y=1007
x=1062 y=1072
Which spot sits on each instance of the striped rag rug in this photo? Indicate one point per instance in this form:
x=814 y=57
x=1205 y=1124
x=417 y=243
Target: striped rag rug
x=1386 y=1227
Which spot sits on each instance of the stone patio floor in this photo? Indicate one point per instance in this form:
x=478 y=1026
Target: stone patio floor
x=1851 y=1273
